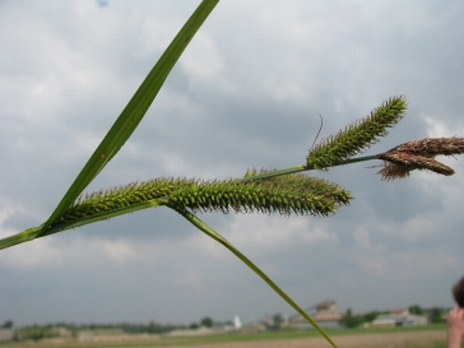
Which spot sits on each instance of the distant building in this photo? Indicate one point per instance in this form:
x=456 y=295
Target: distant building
x=113 y=335
x=201 y=331
x=326 y=314
x=237 y=323
x=267 y=320
x=6 y=334
x=61 y=332
x=98 y=334
x=399 y=317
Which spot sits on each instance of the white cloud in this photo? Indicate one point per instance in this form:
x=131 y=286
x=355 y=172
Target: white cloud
x=285 y=90
x=362 y=237
x=117 y=250
x=404 y=265
x=269 y=234
x=44 y=251
x=202 y=58
x=438 y=129
x=414 y=229
x=372 y=263
x=192 y=279
x=5 y=212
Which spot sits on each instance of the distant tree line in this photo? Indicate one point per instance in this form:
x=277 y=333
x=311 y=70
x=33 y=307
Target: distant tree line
x=205 y=322
x=37 y=332
x=8 y=324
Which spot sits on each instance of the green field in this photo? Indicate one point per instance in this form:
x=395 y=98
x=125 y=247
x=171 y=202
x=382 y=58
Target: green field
x=166 y=341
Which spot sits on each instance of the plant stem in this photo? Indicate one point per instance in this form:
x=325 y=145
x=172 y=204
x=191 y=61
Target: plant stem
x=33 y=233
x=21 y=237
x=304 y=167
x=202 y=226
x=106 y=215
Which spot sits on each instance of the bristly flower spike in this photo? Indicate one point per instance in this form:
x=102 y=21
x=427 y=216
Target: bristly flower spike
x=292 y=194
x=419 y=154
x=358 y=136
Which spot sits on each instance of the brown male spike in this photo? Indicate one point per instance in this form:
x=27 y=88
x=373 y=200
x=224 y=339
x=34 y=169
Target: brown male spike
x=419 y=154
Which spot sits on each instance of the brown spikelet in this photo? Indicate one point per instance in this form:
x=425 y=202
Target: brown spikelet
x=398 y=165
x=430 y=147
x=419 y=154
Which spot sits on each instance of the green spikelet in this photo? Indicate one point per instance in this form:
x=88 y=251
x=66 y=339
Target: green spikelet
x=120 y=197
x=291 y=194
x=299 y=182
x=358 y=136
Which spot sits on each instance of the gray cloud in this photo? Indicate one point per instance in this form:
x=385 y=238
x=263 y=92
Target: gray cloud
x=247 y=92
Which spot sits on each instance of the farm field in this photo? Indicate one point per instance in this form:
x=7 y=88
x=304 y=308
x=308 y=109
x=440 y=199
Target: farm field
x=427 y=337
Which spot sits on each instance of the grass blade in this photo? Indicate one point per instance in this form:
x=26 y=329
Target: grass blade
x=134 y=111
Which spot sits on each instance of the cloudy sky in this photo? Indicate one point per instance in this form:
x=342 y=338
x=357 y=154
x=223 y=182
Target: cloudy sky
x=248 y=91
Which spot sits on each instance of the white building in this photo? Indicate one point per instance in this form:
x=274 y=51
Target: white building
x=400 y=317
x=237 y=323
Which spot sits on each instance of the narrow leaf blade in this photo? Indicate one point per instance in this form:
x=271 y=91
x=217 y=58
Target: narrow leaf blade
x=133 y=113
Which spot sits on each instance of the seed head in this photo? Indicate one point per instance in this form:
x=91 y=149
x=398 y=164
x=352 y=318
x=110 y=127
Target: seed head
x=357 y=137
x=419 y=154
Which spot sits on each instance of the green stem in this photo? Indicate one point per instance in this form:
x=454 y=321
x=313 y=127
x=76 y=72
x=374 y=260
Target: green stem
x=21 y=237
x=304 y=167
x=154 y=203
x=35 y=232
x=202 y=226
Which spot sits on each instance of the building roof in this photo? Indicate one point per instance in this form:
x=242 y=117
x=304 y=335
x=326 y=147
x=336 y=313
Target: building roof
x=325 y=304
x=323 y=311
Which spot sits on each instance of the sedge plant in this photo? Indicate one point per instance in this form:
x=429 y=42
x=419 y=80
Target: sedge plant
x=285 y=191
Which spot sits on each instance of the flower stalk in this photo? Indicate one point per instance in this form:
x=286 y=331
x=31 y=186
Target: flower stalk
x=220 y=239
